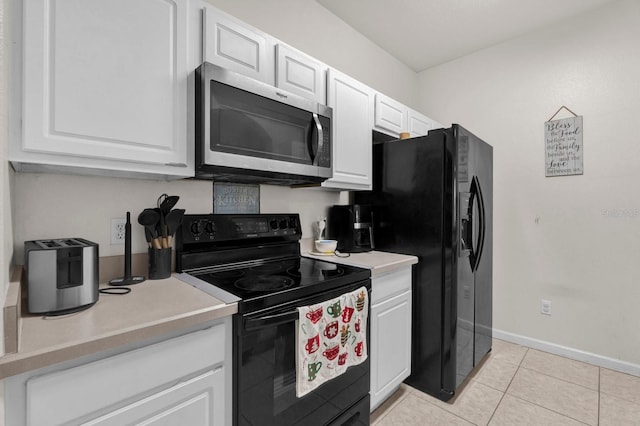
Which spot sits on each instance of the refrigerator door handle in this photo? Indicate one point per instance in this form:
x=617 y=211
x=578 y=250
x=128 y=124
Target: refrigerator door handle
x=476 y=252
x=466 y=224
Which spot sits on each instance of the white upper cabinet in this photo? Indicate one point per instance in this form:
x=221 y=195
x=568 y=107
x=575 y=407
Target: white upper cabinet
x=105 y=86
x=390 y=115
x=234 y=45
x=393 y=118
x=418 y=124
x=352 y=104
x=300 y=74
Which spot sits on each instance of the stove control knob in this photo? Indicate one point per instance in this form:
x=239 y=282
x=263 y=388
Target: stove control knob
x=283 y=224
x=209 y=227
x=273 y=224
x=196 y=228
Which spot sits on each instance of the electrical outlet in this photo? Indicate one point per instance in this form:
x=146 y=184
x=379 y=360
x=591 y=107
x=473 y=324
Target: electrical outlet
x=117 y=230
x=545 y=307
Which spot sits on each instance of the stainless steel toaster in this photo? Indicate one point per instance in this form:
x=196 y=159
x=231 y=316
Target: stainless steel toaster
x=61 y=275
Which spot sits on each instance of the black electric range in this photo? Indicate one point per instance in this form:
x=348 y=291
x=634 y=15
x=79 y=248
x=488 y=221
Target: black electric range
x=255 y=260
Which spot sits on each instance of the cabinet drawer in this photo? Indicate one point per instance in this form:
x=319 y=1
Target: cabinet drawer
x=198 y=401
x=75 y=393
x=385 y=286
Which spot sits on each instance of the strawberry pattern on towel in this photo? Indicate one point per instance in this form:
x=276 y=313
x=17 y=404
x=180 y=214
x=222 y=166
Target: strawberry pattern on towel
x=330 y=337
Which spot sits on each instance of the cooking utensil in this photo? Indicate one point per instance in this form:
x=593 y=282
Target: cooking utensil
x=168 y=203
x=149 y=219
x=165 y=203
x=173 y=221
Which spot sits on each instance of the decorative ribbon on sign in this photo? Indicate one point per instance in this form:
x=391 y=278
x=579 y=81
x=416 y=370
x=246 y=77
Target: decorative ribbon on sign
x=563 y=145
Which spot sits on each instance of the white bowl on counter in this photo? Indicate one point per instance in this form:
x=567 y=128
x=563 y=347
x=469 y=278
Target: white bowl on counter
x=326 y=246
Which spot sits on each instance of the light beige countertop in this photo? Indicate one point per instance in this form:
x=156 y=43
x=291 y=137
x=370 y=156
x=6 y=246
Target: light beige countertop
x=379 y=262
x=152 y=309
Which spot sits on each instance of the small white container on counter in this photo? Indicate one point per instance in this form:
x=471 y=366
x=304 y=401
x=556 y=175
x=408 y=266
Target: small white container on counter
x=326 y=246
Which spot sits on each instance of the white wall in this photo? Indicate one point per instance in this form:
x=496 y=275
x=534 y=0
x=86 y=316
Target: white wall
x=52 y=206
x=60 y=206
x=572 y=240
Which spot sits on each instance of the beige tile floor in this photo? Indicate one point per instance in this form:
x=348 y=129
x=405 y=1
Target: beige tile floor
x=517 y=385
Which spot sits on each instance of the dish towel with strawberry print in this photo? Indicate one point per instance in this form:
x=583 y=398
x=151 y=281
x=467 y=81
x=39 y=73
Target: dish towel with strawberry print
x=330 y=337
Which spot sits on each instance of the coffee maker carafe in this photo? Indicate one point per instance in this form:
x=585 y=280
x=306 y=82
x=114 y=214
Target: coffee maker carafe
x=352 y=226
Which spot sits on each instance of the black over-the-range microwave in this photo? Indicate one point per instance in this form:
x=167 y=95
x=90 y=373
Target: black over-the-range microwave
x=248 y=131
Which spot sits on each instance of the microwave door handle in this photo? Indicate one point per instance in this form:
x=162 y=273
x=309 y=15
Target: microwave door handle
x=320 y=133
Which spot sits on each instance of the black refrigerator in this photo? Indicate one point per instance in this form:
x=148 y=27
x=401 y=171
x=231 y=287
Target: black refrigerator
x=433 y=198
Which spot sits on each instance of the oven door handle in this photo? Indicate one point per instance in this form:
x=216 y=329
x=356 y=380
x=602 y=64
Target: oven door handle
x=270 y=320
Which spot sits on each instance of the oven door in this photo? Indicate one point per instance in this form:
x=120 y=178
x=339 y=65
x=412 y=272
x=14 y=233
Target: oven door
x=265 y=374
x=247 y=125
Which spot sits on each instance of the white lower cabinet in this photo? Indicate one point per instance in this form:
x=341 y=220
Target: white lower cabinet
x=390 y=345
x=185 y=380
x=187 y=403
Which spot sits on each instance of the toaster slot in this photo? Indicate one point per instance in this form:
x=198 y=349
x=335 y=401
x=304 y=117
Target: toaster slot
x=69 y=267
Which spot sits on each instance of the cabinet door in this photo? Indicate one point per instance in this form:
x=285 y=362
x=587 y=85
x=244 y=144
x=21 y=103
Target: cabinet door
x=419 y=125
x=234 y=45
x=152 y=378
x=297 y=73
x=390 y=346
x=105 y=80
x=391 y=116
x=199 y=401
x=352 y=104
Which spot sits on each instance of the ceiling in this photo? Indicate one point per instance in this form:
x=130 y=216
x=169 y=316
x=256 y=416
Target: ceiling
x=424 y=33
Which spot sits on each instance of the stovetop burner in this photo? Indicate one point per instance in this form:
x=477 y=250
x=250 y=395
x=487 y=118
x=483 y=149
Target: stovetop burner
x=267 y=268
x=280 y=281
x=264 y=283
x=234 y=273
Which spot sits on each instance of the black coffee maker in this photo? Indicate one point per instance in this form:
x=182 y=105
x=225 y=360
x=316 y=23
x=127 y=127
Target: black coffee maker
x=352 y=226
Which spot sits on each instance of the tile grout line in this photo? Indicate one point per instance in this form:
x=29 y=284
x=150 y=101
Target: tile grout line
x=562 y=380
x=507 y=388
x=553 y=377
x=474 y=379
x=548 y=409
x=449 y=412
x=391 y=408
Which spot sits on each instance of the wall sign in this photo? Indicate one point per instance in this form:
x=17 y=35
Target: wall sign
x=563 y=146
x=235 y=198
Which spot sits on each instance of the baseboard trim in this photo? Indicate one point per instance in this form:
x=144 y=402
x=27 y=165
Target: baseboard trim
x=578 y=355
